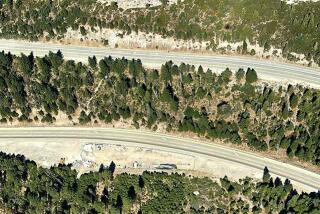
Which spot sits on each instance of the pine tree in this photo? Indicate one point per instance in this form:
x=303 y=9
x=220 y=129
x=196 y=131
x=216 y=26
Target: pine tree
x=266 y=175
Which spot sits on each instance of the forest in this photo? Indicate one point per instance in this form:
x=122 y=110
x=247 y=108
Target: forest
x=291 y=28
x=28 y=188
x=233 y=107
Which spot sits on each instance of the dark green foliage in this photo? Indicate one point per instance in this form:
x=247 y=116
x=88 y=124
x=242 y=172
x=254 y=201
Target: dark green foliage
x=251 y=76
x=224 y=109
x=27 y=188
x=244 y=47
x=132 y=193
x=105 y=196
x=141 y=182
x=112 y=167
x=292 y=28
x=266 y=175
x=294 y=100
x=92 y=62
x=240 y=74
x=26 y=64
x=226 y=75
x=84 y=118
x=119 y=203
x=178 y=98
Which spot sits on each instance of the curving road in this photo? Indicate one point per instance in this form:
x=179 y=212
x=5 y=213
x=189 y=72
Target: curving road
x=169 y=143
x=266 y=69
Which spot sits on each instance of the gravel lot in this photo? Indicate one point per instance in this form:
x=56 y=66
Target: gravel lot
x=87 y=155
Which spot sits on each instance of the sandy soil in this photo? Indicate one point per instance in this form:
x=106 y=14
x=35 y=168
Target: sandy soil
x=125 y=4
x=141 y=40
x=87 y=155
x=297 y=1
x=62 y=120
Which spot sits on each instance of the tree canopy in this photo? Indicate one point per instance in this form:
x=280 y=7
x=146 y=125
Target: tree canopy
x=26 y=187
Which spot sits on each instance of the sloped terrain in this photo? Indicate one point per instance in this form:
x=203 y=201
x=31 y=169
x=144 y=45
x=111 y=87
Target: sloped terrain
x=284 y=30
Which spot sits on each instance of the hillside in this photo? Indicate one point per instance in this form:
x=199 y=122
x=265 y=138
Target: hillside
x=271 y=29
x=236 y=108
x=27 y=188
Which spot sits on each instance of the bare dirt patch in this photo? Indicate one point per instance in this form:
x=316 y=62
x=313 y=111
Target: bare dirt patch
x=114 y=38
x=125 y=4
x=87 y=155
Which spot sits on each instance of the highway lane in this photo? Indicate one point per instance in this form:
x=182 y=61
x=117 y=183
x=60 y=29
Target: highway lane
x=166 y=143
x=266 y=69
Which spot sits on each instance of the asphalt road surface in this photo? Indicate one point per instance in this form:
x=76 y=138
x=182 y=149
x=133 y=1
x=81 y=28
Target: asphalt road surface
x=166 y=143
x=266 y=69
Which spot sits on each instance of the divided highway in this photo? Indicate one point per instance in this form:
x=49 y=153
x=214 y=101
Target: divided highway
x=164 y=142
x=266 y=69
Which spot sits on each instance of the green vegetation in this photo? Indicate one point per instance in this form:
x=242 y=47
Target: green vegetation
x=27 y=188
x=231 y=107
x=291 y=28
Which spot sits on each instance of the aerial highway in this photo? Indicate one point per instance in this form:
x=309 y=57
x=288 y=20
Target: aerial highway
x=266 y=69
x=128 y=137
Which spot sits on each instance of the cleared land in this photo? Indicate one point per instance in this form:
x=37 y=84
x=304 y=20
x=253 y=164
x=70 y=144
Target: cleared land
x=308 y=180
